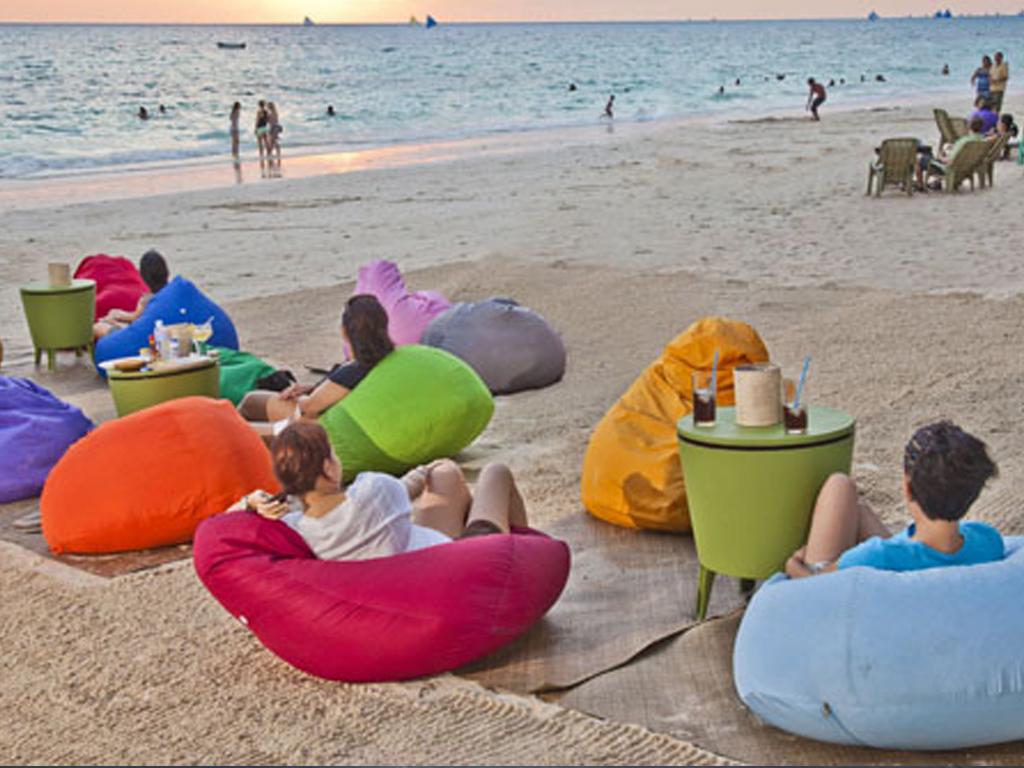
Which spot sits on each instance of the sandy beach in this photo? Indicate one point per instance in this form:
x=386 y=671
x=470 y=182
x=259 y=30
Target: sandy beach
x=910 y=307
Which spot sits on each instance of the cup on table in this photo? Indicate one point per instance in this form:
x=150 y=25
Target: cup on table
x=704 y=397
x=794 y=419
x=60 y=273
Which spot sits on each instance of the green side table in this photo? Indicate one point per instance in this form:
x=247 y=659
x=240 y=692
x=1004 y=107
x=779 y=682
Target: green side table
x=751 y=490
x=133 y=391
x=60 y=317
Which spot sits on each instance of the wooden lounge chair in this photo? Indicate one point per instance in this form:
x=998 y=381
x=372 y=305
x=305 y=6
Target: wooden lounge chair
x=947 y=132
x=963 y=167
x=960 y=126
x=895 y=165
x=986 y=170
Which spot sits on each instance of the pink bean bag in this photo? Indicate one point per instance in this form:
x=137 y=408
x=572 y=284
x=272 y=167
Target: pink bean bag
x=392 y=618
x=118 y=283
x=408 y=313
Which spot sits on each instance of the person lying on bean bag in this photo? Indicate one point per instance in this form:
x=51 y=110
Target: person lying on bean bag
x=944 y=471
x=379 y=515
x=154 y=272
x=409 y=313
x=364 y=333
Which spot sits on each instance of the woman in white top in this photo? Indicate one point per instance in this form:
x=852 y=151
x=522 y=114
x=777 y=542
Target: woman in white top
x=379 y=515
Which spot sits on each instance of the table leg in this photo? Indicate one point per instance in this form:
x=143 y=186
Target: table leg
x=50 y=364
x=39 y=356
x=705 y=580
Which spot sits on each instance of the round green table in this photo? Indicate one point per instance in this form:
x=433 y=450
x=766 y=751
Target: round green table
x=751 y=490
x=60 y=317
x=135 y=390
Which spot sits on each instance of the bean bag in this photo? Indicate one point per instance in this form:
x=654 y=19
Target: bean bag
x=928 y=659
x=632 y=475
x=408 y=313
x=239 y=372
x=416 y=405
x=35 y=430
x=391 y=618
x=118 y=283
x=146 y=480
x=511 y=347
x=178 y=302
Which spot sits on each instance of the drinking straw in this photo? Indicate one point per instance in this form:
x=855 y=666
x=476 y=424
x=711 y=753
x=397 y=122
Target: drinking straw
x=800 y=385
x=714 y=374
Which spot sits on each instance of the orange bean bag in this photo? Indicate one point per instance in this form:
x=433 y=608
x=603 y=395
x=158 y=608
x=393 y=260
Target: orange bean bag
x=632 y=475
x=148 y=479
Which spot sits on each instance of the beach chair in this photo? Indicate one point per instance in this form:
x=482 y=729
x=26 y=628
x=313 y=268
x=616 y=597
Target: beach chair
x=947 y=133
x=986 y=170
x=963 y=167
x=895 y=165
x=960 y=127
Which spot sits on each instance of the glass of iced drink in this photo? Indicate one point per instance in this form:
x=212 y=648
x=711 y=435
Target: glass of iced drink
x=704 y=397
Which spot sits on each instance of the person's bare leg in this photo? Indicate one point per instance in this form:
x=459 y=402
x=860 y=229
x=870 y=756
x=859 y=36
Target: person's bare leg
x=260 y=405
x=445 y=502
x=869 y=524
x=496 y=498
x=835 y=524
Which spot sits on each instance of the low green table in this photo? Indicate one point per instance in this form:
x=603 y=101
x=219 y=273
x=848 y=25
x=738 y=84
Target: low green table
x=60 y=317
x=751 y=490
x=133 y=391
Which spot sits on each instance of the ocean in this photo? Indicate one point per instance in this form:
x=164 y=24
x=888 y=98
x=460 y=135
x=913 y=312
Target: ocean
x=69 y=94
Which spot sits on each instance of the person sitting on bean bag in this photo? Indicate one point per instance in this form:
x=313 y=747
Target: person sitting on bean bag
x=154 y=272
x=379 y=515
x=364 y=332
x=944 y=471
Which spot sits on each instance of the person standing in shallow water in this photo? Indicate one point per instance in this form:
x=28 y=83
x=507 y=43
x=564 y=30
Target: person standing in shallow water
x=609 y=108
x=815 y=97
x=236 y=114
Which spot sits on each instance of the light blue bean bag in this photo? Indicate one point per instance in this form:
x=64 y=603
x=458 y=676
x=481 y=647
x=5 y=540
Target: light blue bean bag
x=929 y=659
x=177 y=302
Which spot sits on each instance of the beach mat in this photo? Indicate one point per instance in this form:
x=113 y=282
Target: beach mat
x=627 y=590
x=684 y=687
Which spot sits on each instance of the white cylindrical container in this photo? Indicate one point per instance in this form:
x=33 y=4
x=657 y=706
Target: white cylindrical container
x=758 y=394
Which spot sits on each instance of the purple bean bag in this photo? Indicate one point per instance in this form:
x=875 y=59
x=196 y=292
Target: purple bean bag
x=390 y=618
x=408 y=313
x=35 y=430
x=511 y=348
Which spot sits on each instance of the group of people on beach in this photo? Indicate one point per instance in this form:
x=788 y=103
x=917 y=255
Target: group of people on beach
x=267 y=130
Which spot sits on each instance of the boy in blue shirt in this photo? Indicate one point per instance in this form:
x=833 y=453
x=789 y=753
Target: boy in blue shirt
x=944 y=471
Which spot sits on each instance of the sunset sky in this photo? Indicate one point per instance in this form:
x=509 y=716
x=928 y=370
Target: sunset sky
x=356 y=11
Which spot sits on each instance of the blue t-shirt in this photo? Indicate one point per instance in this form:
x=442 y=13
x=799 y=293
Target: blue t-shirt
x=982 y=544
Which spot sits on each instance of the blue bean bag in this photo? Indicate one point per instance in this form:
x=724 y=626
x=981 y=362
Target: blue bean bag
x=929 y=659
x=178 y=302
x=35 y=430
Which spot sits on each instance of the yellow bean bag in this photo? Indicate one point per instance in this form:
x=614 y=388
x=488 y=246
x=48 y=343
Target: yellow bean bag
x=631 y=472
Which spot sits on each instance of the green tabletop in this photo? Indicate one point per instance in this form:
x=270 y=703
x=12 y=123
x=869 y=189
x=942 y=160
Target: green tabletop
x=823 y=425
x=46 y=288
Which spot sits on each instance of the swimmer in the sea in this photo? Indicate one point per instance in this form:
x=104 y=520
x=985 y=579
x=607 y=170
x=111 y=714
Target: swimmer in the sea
x=330 y=110
x=143 y=113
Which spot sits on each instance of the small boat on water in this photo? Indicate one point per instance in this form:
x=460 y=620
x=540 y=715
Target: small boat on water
x=231 y=46
x=307 y=22
x=431 y=22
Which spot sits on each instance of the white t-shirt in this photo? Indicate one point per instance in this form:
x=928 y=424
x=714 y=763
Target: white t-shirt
x=375 y=520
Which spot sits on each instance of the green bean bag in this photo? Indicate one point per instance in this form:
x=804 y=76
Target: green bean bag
x=416 y=405
x=239 y=372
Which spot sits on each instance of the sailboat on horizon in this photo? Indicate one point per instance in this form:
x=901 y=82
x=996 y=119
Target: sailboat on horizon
x=431 y=22
x=308 y=22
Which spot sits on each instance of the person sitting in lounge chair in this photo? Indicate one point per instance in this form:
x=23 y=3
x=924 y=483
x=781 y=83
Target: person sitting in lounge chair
x=379 y=515
x=944 y=471
x=154 y=273
x=949 y=153
x=364 y=331
x=983 y=110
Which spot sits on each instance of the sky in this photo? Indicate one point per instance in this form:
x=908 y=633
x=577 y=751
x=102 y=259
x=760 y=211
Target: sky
x=364 y=11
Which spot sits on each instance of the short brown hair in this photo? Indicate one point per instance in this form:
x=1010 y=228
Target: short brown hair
x=299 y=453
x=947 y=468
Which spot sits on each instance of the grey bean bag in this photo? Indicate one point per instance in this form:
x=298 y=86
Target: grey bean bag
x=512 y=348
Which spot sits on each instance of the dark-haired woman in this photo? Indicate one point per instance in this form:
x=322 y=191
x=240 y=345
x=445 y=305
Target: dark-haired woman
x=944 y=471
x=364 y=333
x=155 y=274
x=379 y=515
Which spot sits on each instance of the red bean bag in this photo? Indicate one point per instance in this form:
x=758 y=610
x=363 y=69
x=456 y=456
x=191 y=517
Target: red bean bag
x=148 y=479
x=390 y=618
x=118 y=283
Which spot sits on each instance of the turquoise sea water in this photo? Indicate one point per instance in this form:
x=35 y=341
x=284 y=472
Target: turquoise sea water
x=69 y=94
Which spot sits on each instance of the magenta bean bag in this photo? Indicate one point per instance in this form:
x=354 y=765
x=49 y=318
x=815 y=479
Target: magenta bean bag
x=408 y=313
x=118 y=283
x=390 y=618
x=36 y=429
